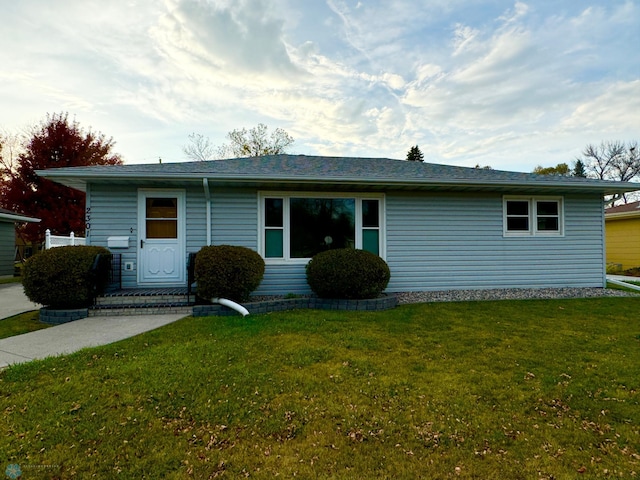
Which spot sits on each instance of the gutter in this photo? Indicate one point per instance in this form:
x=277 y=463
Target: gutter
x=79 y=181
x=18 y=218
x=621 y=215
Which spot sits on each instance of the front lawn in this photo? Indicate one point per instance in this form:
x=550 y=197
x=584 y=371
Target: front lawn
x=4 y=280
x=510 y=389
x=22 y=323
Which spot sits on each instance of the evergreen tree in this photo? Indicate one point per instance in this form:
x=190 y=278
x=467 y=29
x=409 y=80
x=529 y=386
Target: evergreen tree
x=579 y=170
x=415 y=155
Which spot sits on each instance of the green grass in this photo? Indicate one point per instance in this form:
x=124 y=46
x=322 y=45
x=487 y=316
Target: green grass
x=512 y=389
x=19 y=324
x=4 y=280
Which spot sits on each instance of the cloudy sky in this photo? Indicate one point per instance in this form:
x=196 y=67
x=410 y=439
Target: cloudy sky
x=510 y=84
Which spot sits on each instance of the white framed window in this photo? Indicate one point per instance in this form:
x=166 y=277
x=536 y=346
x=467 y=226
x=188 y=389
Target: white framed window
x=295 y=226
x=533 y=216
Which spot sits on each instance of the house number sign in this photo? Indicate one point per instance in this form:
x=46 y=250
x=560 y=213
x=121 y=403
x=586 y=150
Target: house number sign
x=87 y=219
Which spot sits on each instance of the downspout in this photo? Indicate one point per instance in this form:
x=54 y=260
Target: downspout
x=207 y=196
x=603 y=226
x=232 y=305
x=222 y=301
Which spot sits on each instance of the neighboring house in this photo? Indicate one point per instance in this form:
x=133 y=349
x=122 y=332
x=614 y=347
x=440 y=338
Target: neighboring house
x=623 y=235
x=438 y=227
x=8 y=222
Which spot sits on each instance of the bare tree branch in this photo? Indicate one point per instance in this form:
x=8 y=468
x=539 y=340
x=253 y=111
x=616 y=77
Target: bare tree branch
x=199 y=148
x=242 y=143
x=11 y=145
x=613 y=160
x=255 y=142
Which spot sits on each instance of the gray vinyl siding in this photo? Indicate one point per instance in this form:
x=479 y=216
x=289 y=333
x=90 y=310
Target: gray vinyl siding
x=235 y=218
x=7 y=247
x=234 y=214
x=196 y=220
x=448 y=242
x=433 y=241
x=283 y=279
x=114 y=212
x=452 y=241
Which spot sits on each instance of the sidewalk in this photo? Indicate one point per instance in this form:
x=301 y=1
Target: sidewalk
x=13 y=301
x=73 y=336
x=68 y=337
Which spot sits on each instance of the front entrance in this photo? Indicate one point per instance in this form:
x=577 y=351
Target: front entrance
x=161 y=233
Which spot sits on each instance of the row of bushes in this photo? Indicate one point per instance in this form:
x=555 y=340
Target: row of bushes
x=66 y=277
x=233 y=272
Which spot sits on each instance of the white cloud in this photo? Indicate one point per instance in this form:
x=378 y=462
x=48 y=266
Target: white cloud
x=470 y=81
x=519 y=11
x=611 y=114
x=463 y=39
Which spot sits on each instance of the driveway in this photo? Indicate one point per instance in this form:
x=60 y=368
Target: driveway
x=13 y=300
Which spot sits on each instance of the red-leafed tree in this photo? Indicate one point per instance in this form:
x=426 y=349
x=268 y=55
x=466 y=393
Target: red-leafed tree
x=56 y=142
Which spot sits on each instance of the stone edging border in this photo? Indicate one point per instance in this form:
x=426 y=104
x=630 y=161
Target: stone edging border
x=53 y=316
x=385 y=302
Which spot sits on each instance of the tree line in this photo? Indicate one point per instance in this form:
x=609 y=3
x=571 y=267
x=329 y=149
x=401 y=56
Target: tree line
x=610 y=160
x=59 y=141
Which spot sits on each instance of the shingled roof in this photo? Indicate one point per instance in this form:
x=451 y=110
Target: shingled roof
x=627 y=210
x=355 y=172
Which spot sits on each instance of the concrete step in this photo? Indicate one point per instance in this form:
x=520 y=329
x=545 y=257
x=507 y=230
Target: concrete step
x=148 y=301
x=122 y=310
x=141 y=300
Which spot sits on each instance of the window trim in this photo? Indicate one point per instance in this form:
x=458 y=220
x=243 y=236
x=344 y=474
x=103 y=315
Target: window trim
x=286 y=196
x=533 y=216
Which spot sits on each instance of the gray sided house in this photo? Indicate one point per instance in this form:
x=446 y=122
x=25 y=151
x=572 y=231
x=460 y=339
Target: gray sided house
x=438 y=227
x=8 y=222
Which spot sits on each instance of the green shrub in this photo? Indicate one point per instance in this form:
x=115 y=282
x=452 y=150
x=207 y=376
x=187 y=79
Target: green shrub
x=62 y=278
x=347 y=273
x=614 y=268
x=228 y=271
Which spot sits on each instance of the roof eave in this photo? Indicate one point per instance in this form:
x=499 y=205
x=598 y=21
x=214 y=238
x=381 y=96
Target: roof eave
x=79 y=181
x=18 y=218
x=621 y=215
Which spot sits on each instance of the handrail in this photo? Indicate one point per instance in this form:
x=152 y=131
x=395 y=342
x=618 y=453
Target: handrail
x=191 y=274
x=101 y=274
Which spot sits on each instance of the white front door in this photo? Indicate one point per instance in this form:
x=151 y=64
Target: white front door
x=162 y=232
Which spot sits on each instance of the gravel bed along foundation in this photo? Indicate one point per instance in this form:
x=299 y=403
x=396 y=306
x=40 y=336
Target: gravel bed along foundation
x=494 y=294
x=509 y=294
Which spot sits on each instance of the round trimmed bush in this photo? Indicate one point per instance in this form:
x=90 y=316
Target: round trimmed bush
x=62 y=278
x=228 y=271
x=347 y=273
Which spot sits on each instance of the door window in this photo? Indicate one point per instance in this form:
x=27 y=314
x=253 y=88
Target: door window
x=162 y=217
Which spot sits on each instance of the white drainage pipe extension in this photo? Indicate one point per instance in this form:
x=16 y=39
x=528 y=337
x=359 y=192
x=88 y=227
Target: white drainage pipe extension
x=232 y=305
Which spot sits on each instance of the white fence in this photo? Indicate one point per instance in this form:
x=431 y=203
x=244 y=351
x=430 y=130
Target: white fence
x=52 y=241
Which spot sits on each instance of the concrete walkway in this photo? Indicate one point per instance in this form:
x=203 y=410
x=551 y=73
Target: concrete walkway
x=73 y=336
x=13 y=301
x=69 y=337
